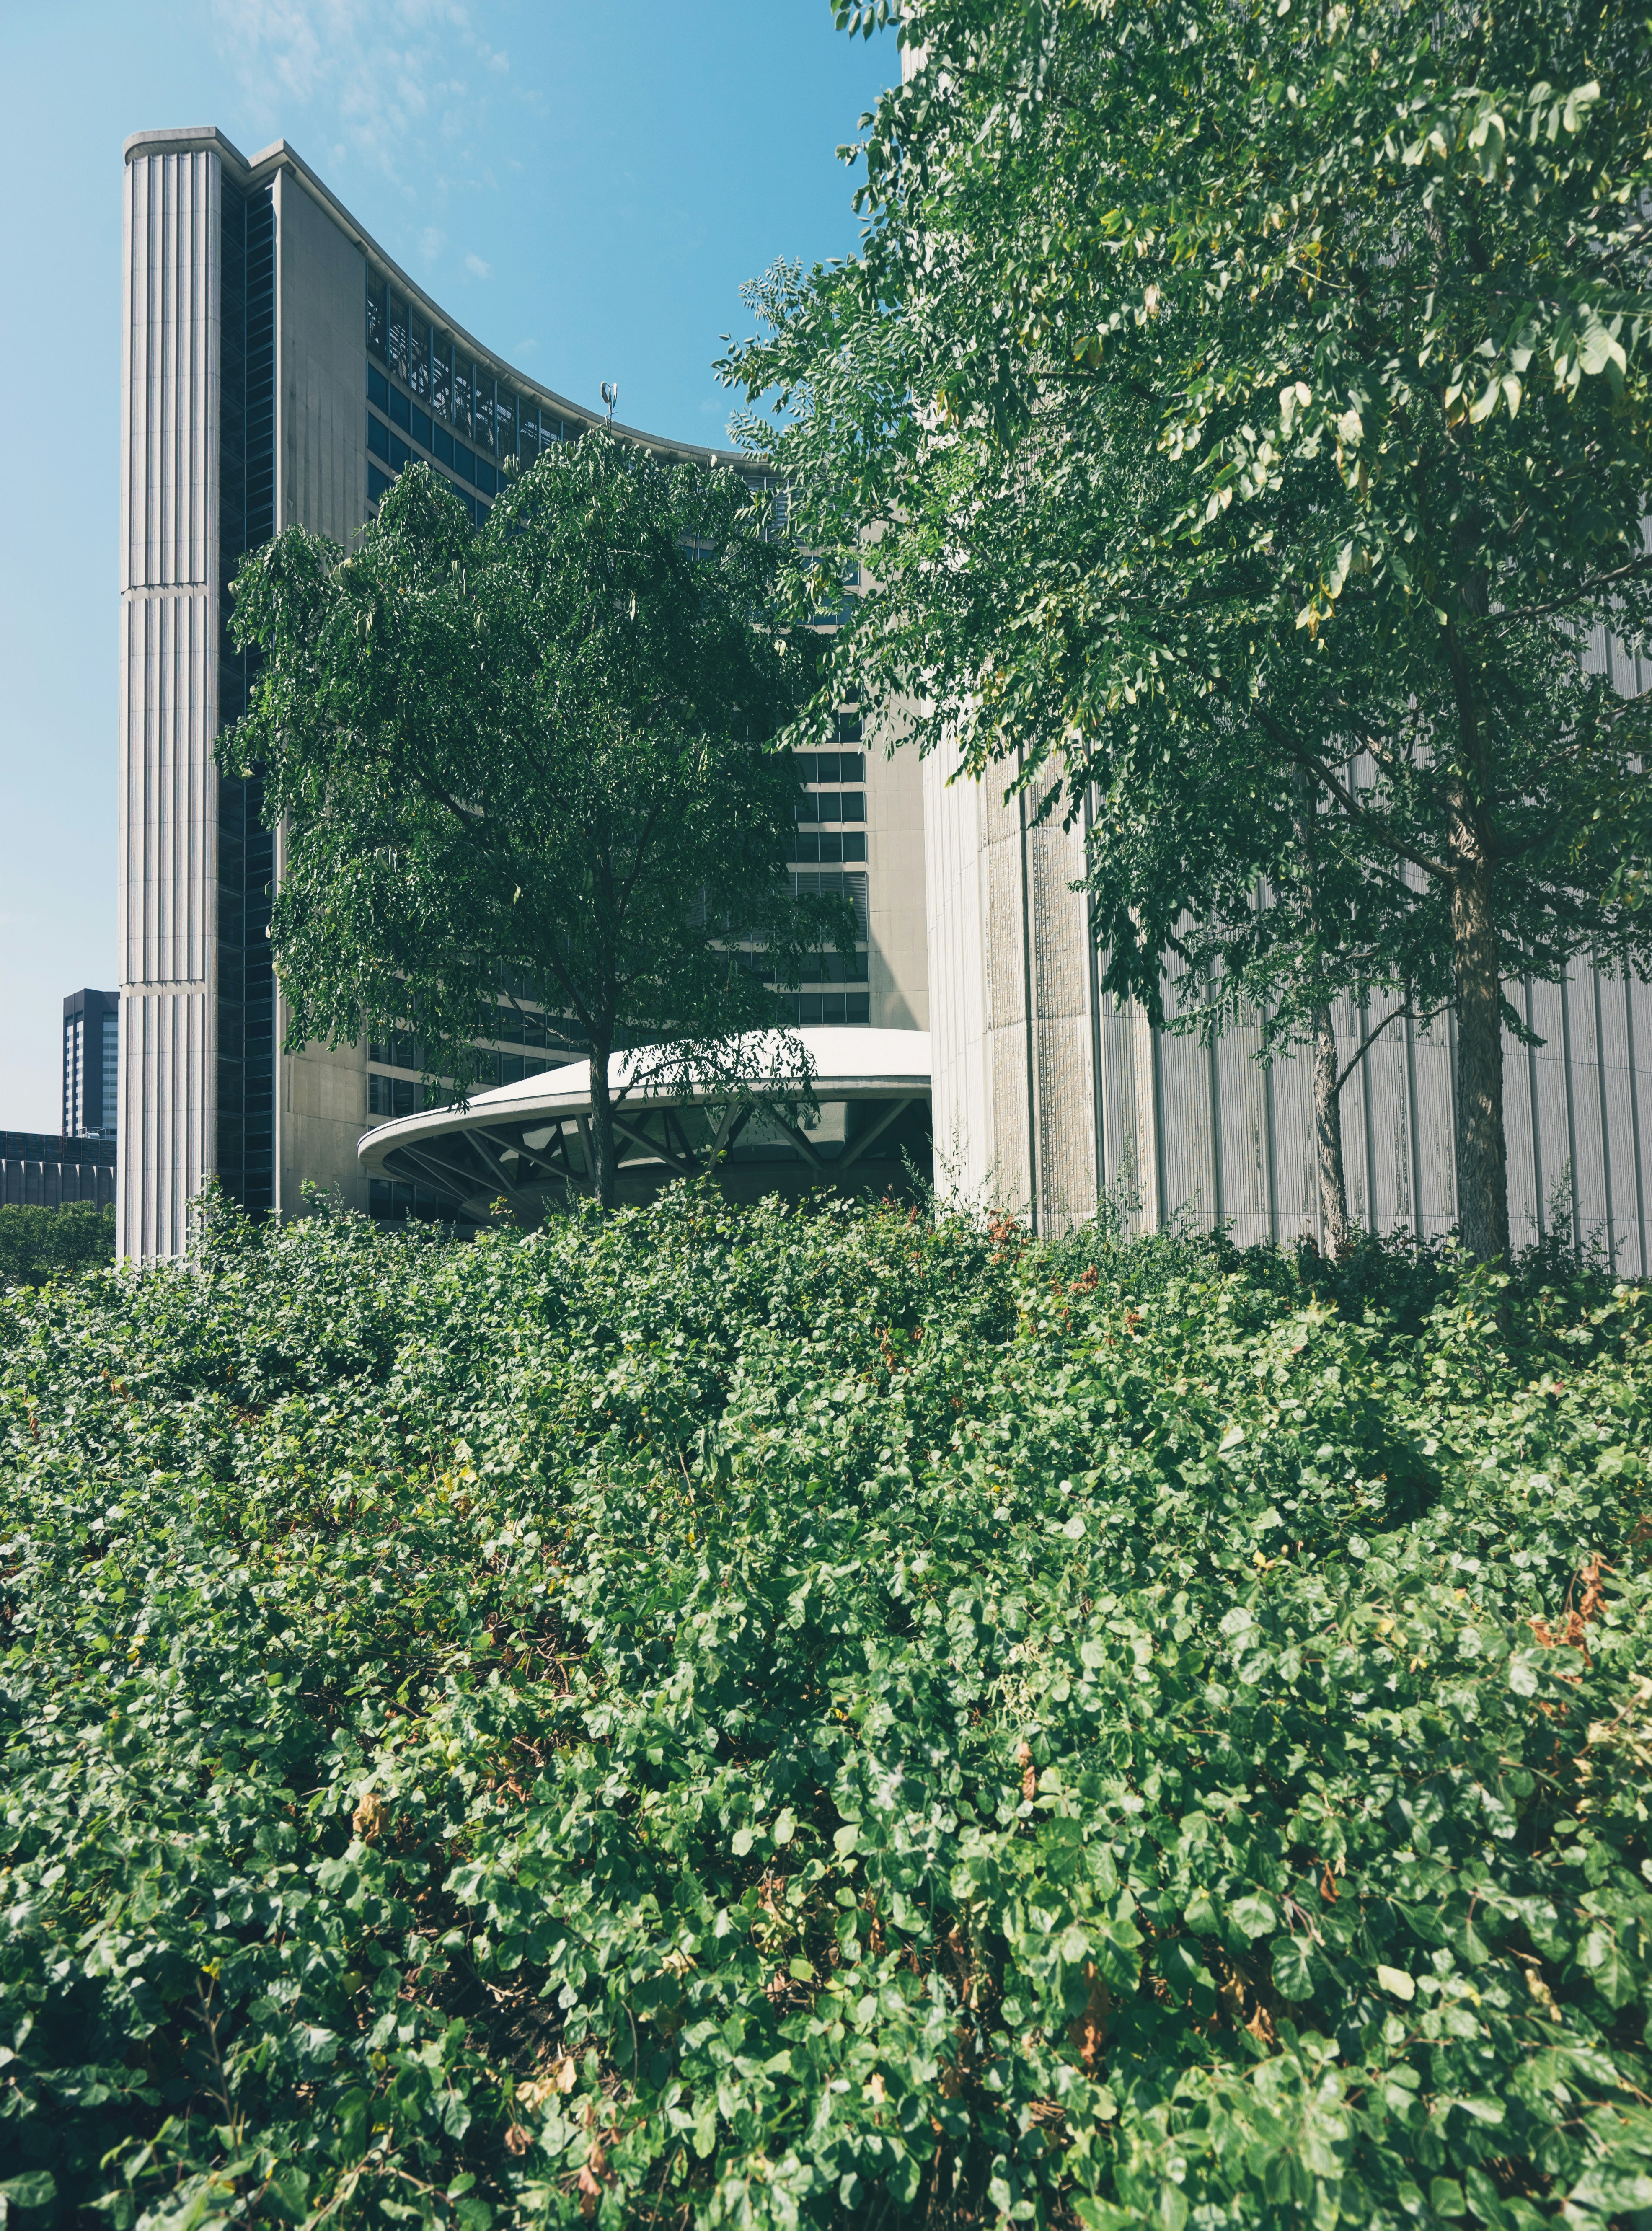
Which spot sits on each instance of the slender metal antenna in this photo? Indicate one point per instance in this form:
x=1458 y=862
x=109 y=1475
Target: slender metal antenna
x=611 y=396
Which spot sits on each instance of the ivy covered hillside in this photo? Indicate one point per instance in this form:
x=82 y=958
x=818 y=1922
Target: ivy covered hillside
x=703 y=1716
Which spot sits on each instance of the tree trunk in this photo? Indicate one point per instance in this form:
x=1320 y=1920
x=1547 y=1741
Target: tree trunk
x=1327 y=1100
x=1482 y=1166
x=604 y=1154
x=1327 y=1134
x=1477 y=982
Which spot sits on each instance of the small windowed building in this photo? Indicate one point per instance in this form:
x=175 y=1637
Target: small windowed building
x=91 y=1064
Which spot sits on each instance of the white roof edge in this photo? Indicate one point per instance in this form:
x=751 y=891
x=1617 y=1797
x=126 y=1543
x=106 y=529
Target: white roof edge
x=185 y=139
x=560 y=1093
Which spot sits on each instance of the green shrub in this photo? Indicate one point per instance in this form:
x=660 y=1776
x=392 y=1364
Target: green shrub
x=728 y=1717
x=38 y=1244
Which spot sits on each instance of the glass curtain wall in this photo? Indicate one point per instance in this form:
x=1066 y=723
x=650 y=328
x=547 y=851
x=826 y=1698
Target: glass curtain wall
x=245 y=1158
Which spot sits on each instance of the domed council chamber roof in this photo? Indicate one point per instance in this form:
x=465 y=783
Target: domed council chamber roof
x=530 y=1141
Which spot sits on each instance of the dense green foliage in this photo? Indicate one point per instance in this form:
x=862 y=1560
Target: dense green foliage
x=37 y=1243
x=721 y=1717
x=1250 y=409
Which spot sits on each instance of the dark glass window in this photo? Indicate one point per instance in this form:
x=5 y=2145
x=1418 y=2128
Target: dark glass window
x=418 y=355
x=504 y=414
x=859 y=1006
x=400 y=455
x=400 y=409
x=397 y=322
x=378 y=437
x=854 y=806
x=443 y=445
x=376 y=317
x=441 y=376
x=854 y=844
x=420 y=429
x=464 y=463
x=377 y=483
x=480 y=511
x=482 y=408
x=849 y=726
x=462 y=379
x=487 y=478
x=377 y=388
x=528 y=435
x=851 y=767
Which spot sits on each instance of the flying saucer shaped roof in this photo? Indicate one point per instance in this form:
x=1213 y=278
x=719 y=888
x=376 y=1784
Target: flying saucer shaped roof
x=530 y=1140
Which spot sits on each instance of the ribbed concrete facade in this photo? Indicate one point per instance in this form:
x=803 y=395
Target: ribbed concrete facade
x=1052 y=1100
x=168 y=711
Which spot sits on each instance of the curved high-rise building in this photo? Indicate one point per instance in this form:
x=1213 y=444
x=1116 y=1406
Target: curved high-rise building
x=279 y=368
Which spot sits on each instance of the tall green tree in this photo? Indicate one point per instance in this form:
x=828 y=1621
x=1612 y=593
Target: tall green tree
x=1250 y=411
x=542 y=750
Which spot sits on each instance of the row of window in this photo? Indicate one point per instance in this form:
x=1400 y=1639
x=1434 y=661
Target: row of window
x=833 y=805
x=811 y=844
x=833 y=766
x=452 y=386
x=445 y=446
x=828 y=1007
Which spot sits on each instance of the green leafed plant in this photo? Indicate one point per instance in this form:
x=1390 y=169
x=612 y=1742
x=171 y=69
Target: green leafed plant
x=772 y=1717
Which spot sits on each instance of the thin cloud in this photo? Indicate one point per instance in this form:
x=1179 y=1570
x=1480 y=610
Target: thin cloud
x=476 y=267
x=385 y=78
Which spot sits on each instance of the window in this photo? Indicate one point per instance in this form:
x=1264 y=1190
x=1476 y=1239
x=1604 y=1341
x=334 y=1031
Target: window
x=487 y=478
x=464 y=463
x=400 y=409
x=421 y=428
x=441 y=376
x=418 y=355
x=528 y=435
x=482 y=409
x=392 y=1096
x=378 y=389
x=443 y=446
x=462 y=382
x=397 y=320
x=378 y=437
x=377 y=483
x=849 y=725
x=400 y=455
x=505 y=415
x=834 y=884
x=376 y=317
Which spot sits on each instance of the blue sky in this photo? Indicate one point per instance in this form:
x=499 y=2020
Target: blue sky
x=585 y=186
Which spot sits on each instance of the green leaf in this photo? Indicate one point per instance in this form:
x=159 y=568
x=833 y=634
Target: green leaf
x=1292 y=1966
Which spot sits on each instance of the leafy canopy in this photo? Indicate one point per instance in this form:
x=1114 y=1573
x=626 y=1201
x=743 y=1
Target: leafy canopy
x=539 y=752
x=1246 y=400
x=750 y=1717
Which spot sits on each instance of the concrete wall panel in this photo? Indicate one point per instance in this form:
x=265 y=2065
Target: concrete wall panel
x=167 y=689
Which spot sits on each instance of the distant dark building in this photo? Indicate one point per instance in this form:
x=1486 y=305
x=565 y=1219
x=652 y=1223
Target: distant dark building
x=38 y=1170
x=91 y=1064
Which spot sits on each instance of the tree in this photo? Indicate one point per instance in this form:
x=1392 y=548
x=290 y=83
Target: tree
x=1250 y=410
x=541 y=750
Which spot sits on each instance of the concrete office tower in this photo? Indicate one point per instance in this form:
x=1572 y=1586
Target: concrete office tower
x=91 y=1064
x=279 y=368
